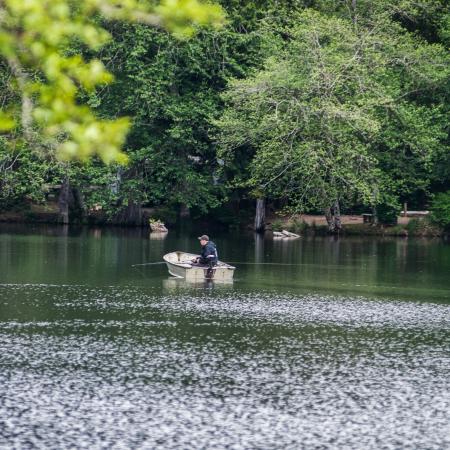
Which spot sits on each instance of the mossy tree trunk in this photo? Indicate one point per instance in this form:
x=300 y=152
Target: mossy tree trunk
x=260 y=216
x=333 y=217
x=70 y=203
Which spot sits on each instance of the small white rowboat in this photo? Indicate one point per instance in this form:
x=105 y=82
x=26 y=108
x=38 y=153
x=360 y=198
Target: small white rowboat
x=179 y=265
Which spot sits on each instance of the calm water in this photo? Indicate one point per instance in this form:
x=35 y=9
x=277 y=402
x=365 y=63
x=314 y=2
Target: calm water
x=343 y=343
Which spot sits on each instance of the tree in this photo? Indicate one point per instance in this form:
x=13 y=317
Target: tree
x=345 y=105
x=171 y=89
x=34 y=40
x=315 y=118
x=22 y=176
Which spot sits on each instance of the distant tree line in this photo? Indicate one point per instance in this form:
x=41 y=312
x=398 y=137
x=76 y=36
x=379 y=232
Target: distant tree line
x=315 y=106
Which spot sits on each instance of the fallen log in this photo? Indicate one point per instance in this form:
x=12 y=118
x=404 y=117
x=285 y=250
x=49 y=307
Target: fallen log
x=285 y=234
x=289 y=234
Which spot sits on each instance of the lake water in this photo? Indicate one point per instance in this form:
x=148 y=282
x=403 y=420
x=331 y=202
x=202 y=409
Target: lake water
x=318 y=343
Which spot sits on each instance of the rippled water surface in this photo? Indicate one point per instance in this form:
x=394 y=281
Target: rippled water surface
x=348 y=346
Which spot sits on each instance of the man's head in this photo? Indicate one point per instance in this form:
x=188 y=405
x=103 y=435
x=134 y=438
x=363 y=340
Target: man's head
x=203 y=239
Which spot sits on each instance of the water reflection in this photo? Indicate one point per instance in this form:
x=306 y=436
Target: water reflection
x=416 y=268
x=296 y=353
x=259 y=247
x=173 y=284
x=96 y=232
x=157 y=236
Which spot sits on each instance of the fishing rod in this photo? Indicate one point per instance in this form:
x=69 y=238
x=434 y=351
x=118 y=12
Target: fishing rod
x=328 y=266
x=148 y=264
x=231 y=262
x=265 y=263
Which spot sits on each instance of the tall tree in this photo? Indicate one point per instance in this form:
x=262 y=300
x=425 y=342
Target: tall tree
x=171 y=89
x=316 y=119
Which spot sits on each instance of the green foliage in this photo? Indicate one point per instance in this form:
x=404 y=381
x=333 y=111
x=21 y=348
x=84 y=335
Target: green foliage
x=167 y=214
x=342 y=101
x=395 y=230
x=156 y=224
x=22 y=176
x=296 y=225
x=387 y=213
x=440 y=209
x=34 y=39
x=277 y=225
x=171 y=88
x=413 y=226
x=338 y=113
x=307 y=117
x=423 y=227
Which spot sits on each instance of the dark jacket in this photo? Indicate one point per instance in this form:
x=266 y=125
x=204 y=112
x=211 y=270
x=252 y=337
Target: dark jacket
x=209 y=253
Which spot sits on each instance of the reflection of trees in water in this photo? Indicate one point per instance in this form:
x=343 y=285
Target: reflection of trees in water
x=99 y=256
x=259 y=247
x=61 y=250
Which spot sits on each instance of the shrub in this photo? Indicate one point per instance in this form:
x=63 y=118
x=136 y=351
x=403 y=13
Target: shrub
x=388 y=212
x=297 y=226
x=440 y=210
x=155 y=222
x=423 y=227
x=415 y=226
x=396 y=230
x=277 y=225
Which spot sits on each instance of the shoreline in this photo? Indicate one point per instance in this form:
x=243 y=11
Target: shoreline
x=354 y=225
x=305 y=225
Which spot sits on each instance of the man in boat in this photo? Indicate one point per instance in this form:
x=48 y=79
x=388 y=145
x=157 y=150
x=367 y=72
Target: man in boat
x=208 y=256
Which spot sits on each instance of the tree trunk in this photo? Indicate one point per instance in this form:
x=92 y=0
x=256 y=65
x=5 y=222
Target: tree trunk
x=333 y=216
x=63 y=202
x=133 y=214
x=260 y=216
x=374 y=215
x=374 y=208
x=337 y=216
x=76 y=205
x=130 y=214
x=330 y=220
x=115 y=185
x=354 y=18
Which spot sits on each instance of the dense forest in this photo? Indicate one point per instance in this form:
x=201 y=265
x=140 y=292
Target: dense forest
x=313 y=106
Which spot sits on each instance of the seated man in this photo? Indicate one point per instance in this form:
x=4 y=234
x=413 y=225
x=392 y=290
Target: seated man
x=208 y=256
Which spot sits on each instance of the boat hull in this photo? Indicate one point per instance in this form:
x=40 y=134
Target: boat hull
x=179 y=265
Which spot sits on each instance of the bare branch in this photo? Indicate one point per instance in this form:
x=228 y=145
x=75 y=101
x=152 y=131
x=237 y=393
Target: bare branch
x=27 y=104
